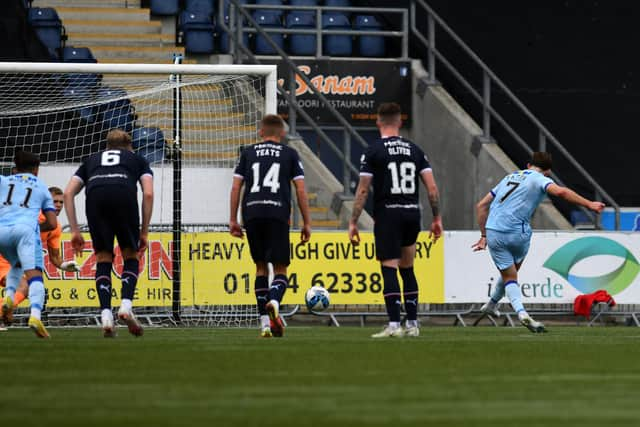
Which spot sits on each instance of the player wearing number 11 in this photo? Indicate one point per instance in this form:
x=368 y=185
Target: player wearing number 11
x=111 y=178
x=266 y=170
x=395 y=165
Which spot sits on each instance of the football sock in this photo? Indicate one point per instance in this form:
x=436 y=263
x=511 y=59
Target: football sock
x=278 y=287
x=265 y=322
x=412 y=323
x=410 y=292
x=498 y=291
x=103 y=284
x=126 y=304
x=391 y=293
x=261 y=287
x=512 y=290
x=129 y=278
x=394 y=325
x=13 y=280
x=36 y=296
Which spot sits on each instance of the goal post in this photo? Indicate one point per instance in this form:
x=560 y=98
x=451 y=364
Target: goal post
x=189 y=121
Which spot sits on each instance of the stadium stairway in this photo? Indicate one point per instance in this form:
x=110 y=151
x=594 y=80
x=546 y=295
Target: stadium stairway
x=115 y=30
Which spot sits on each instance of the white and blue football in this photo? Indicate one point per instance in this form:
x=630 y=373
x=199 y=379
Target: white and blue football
x=317 y=298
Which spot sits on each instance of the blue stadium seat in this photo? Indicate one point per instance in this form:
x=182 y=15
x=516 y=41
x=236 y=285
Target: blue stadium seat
x=302 y=44
x=270 y=3
x=224 y=38
x=336 y=45
x=48 y=27
x=268 y=20
x=82 y=94
x=118 y=111
x=369 y=45
x=165 y=7
x=339 y=3
x=80 y=55
x=197 y=30
x=203 y=7
x=304 y=2
x=149 y=143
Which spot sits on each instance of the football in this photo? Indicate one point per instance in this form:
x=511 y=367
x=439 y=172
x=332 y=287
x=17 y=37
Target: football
x=317 y=298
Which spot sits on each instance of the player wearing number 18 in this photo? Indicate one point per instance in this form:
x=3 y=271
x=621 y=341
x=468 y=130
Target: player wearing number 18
x=395 y=165
x=111 y=179
x=266 y=170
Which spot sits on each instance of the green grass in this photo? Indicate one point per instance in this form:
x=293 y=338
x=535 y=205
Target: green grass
x=572 y=376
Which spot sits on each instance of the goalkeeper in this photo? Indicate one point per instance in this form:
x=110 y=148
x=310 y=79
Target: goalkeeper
x=51 y=241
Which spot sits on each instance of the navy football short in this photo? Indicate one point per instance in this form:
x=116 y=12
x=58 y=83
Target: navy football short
x=268 y=240
x=393 y=230
x=112 y=212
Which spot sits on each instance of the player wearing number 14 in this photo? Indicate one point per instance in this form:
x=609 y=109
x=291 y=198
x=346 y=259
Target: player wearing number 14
x=266 y=170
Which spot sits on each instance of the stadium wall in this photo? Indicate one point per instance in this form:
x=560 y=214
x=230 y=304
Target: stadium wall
x=215 y=211
x=465 y=168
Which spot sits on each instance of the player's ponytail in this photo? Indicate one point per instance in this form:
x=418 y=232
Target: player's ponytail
x=26 y=161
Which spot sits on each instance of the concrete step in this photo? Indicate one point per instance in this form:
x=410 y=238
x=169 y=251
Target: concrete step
x=119 y=39
x=110 y=26
x=197 y=157
x=137 y=52
x=326 y=224
x=102 y=14
x=213 y=146
x=215 y=136
x=188 y=118
x=87 y=3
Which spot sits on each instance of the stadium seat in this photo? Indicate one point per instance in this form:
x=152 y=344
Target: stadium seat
x=80 y=94
x=302 y=44
x=336 y=45
x=268 y=20
x=224 y=38
x=80 y=55
x=197 y=31
x=304 y=2
x=202 y=7
x=165 y=7
x=269 y=3
x=48 y=27
x=369 y=45
x=118 y=111
x=339 y=3
x=149 y=143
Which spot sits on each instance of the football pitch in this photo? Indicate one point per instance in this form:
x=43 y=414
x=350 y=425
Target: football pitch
x=322 y=376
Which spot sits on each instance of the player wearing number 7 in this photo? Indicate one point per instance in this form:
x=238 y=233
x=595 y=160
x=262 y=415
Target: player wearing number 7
x=503 y=217
x=266 y=170
x=111 y=178
x=395 y=165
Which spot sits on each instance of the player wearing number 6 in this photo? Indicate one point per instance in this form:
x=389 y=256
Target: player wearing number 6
x=395 y=165
x=266 y=170
x=111 y=179
x=503 y=217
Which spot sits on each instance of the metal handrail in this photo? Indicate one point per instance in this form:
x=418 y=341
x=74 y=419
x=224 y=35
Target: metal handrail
x=319 y=31
x=489 y=79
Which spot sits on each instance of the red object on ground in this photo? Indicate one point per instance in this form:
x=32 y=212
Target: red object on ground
x=583 y=303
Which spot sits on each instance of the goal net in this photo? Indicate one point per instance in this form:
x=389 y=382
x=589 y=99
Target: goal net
x=190 y=122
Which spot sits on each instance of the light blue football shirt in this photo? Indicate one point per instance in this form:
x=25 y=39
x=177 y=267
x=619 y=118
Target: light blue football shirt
x=22 y=197
x=516 y=197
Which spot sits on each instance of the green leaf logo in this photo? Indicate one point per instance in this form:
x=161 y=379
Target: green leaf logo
x=614 y=282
